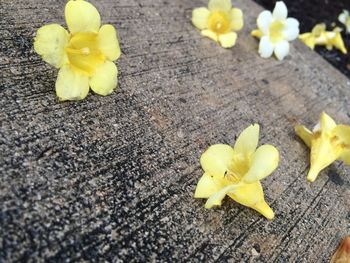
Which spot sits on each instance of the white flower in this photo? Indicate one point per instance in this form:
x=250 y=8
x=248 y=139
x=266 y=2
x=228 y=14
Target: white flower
x=344 y=18
x=275 y=30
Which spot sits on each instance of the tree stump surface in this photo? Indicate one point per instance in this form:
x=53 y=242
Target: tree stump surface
x=111 y=179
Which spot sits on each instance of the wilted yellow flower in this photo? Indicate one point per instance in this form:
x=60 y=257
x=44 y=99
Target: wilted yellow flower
x=342 y=254
x=319 y=36
x=218 y=21
x=275 y=30
x=237 y=172
x=344 y=18
x=328 y=142
x=84 y=56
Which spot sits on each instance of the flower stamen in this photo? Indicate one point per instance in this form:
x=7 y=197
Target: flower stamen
x=83 y=51
x=219 y=22
x=232 y=177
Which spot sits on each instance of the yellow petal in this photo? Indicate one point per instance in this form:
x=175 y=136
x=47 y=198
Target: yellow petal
x=252 y=195
x=304 y=133
x=257 y=33
x=345 y=157
x=247 y=140
x=338 y=42
x=216 y=198
x=326 y=122
x=50 y=42
x=216 y=160
x=108 y=42
x=81 y=16
x=207 y=186
x=200 y=17
x=323 y=153
x=236 y=19
x=210 y=34
x=308 y=40
x=319 y=29
x=343 y=133
x=228 y=40
x=264 y=209
x=264 y=162
x=71 y=85
x=105 y=79
x=220 y=5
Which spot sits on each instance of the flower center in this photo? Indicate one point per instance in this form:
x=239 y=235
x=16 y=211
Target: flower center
x=232 y=177
x=219 y=22
x=276 y=31
x=83 y=53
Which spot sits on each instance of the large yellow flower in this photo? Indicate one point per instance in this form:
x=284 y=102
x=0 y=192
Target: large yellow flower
x=237 y=172
x=328 y=142
x=84 y=56
x=319 y=36
x=218 y=21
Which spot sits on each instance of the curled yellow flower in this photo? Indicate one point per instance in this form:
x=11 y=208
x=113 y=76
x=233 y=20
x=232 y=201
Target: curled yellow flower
x=319 y=36
x=84 y=56
x=219 y=21
x=237 y=172
x=328 y=142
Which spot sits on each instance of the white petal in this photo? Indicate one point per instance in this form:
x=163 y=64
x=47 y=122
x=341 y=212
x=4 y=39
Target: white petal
x=280 y=11
x=264 y=20
x=291 y=30
x=282 y=50
x=265 y=47
x=342 y=18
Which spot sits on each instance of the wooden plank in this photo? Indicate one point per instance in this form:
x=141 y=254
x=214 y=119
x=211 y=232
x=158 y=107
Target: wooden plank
x=112 y=178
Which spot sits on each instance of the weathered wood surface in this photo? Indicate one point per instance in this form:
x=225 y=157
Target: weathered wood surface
x=112 y=178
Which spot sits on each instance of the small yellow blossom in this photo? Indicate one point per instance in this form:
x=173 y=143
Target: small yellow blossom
x=344 y=18
x=328 y=142
x=275 y=30
x=237 y=172
x=319 y=36
x=218 y=21
x=84 y=56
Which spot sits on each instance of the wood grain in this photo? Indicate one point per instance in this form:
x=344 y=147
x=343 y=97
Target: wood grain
x=112 y=178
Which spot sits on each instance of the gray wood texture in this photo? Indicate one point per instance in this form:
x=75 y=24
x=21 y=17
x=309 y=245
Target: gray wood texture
x=112 y=178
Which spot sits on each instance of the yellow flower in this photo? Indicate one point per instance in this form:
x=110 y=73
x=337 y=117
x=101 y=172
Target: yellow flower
x=84 y=56
x=218 y=21
x=319 y=36
x=344 y=18
x=328 y=142
x=237 y=172
x=275 y=30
